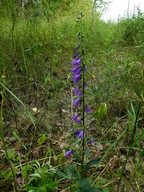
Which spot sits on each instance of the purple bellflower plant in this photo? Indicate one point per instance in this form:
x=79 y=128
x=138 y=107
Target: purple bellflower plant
x=78 y=75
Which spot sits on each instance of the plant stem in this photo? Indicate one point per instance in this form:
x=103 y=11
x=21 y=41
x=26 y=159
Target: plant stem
x=83 y=143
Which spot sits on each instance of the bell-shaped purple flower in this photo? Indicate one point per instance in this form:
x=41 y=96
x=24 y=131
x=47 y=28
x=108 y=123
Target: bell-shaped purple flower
x=78 y=60
x=75 y=63
x=85 y=85
x=87 y=110
x=68 y=153
x=75 y=55
x=90 y=141
x=75 y=69
x=78 y=120
x=75 y=117
x=76 y=78
x=76 y=102
x=76 y=90
x=85 y=68
x=79 y=134
x=80 y=93
x=77 y=46
x=78 y=71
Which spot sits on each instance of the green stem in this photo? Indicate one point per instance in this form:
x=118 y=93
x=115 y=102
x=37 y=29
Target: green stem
x=83 y=143
x=4 y=145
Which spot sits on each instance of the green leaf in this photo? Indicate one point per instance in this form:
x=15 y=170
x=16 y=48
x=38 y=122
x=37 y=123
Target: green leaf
x=87 y=152
x=17 y=137
x=60 y=173
x=102 y=110
x=93 y=162
x=105 y=189
x=42 y=139
x=36 y=175
x=64 y=169
x=84 y=186
x=25 y=170
x=72 y=170
x=11 y=153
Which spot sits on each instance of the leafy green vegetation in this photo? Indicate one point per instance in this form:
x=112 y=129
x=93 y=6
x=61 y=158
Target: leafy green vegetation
x=37 y=40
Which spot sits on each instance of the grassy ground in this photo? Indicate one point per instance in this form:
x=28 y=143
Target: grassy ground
x=35 y=56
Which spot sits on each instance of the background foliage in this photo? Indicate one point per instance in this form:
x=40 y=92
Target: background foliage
x=37 y=39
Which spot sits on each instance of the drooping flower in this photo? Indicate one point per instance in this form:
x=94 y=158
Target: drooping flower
x=76 y=78
x=75 y=69
x=85 y=85
x=79 y=60
x=75 y=117
x=75 y=63
x=87 y=110
x=77 y=46
x=76 y=90
x=80 y=93
x=78 y=71
x=75 y=55
x=78 y=120
x=76 y=102
x=90 y=141
x=79 y=134
x=85 y=68
x=68 y=153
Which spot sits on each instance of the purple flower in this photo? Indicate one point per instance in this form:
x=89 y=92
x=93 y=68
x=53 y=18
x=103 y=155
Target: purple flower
x=79 y=134
x=68 y=181
x=78 y=60
x=85 y=85
x=68 y=153
x=75 y=117
x=75 y=62
x=90 y=141
x=76 y=102
x=76 y=130
x=85 y=68
x=75 y=55
x=87 y=110
x=77 y=46
x=77 y=72
x=78 y=120
x=75 y=69
x=76 y=78
x=80 y=93
x=76 y=90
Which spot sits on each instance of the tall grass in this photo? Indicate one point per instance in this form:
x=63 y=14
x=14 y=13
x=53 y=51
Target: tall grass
x=37 y=52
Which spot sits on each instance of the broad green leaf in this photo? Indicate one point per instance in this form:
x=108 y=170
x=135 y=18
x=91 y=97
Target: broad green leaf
x=60 y=173
x=92 y=163
x=84 y=186
x=72 y=170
